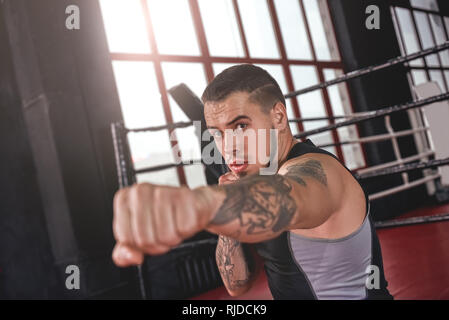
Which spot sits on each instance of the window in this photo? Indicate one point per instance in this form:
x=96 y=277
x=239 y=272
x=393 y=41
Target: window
x=157 y=44
x=291 y=21
x=221 y=28
x=420 y=26
x=258 y=28
x=173 y=28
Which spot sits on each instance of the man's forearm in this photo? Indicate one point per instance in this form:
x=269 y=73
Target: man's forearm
x=151 y=219
x=262 y=207
x=258 y=207
x=235 y=264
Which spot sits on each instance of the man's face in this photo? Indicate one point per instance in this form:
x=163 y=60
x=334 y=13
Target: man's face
x=241 y=130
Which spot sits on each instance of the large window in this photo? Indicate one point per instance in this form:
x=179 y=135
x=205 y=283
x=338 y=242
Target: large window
x=156 y=44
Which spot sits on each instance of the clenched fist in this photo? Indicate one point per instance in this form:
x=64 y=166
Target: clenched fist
x=228 y=178
x=150 y=219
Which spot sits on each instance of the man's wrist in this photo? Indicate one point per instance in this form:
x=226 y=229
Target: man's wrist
x=207 y=201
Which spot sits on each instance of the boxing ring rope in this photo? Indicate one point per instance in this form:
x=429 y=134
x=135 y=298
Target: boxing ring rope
x=375 y=138
x=176 y=125
x=398 y=161
x=376 y=114
x=364 y=71
x=168 y=166
x=411 y=221
x=404 y=168
x=343 y=116
x=127 y=174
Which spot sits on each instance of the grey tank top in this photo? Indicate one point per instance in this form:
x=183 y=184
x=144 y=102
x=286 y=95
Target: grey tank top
x=335 y=268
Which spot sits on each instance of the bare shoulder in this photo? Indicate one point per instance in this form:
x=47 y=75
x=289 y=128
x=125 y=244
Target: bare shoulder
x=319 y=166
x=315 y=169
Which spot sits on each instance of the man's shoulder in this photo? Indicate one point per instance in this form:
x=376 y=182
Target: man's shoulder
x=322 y=167
x=311 y=159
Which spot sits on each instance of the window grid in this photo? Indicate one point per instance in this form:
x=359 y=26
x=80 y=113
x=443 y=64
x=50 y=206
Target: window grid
x=324 y=93
x=161 y=85
x=207 y=61
x=400 y=34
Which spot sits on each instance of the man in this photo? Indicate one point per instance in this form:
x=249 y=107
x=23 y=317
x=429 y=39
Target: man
x=308 y=220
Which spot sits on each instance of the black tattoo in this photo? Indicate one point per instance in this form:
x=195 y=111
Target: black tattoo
x=228 y=253
x=260 y=203
x=309 y=169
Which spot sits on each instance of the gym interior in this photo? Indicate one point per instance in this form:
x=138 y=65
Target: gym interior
x=96 y=95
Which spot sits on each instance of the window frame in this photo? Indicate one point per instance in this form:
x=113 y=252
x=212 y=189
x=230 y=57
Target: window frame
x=207 y=61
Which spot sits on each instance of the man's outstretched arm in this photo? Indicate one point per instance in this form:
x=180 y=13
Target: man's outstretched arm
x=152 y=219
x=303 y=195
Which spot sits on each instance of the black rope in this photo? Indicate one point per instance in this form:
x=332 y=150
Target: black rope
x=317 y=118
x=411 y=221
x=167 y=166
x=404 y=168
x=364 y=71
x=171 y=126
x=376 y=114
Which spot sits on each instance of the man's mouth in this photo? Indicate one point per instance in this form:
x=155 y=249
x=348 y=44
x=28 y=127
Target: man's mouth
x=238 y=166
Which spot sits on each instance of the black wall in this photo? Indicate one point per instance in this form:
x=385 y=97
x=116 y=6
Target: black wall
x=57 y=98
x=25 y=255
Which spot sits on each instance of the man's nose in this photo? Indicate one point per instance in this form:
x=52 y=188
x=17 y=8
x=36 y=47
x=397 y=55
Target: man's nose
x=229 y=146
x=233 y=149
x=229 y=151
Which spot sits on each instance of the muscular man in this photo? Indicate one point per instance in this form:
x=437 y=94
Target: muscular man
x=308 y=221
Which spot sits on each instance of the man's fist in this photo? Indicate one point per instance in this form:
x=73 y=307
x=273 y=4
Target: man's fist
x=228 y=178
x=151 y=219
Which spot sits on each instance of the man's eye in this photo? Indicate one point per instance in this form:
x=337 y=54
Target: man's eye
x=241 y=126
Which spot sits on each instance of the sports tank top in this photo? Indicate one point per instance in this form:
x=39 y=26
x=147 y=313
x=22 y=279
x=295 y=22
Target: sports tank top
x=299 y=267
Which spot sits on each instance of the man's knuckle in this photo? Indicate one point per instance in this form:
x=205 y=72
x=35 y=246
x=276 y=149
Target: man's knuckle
x=139 y=191
x=186 y=228
x=120 y=199
x=170 y=239
x=140 y=242
x=115 y=228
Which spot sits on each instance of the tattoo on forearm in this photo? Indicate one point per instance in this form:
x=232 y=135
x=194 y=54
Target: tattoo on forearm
x=309 y=169
x=263 y=204
x=260 y=203
x=231 y=263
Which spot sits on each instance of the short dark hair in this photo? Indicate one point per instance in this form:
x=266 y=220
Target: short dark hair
x=261 y=86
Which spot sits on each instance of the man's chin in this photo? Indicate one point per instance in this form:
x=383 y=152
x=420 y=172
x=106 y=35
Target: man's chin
x=250 y=171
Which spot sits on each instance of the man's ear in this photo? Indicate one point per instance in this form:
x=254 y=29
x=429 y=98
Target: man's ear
x=279 y=116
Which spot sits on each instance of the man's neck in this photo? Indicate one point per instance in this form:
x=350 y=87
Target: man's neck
x=284 y=149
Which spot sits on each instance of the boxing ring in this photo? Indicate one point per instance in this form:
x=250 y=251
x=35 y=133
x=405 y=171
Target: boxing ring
x=415 y=246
